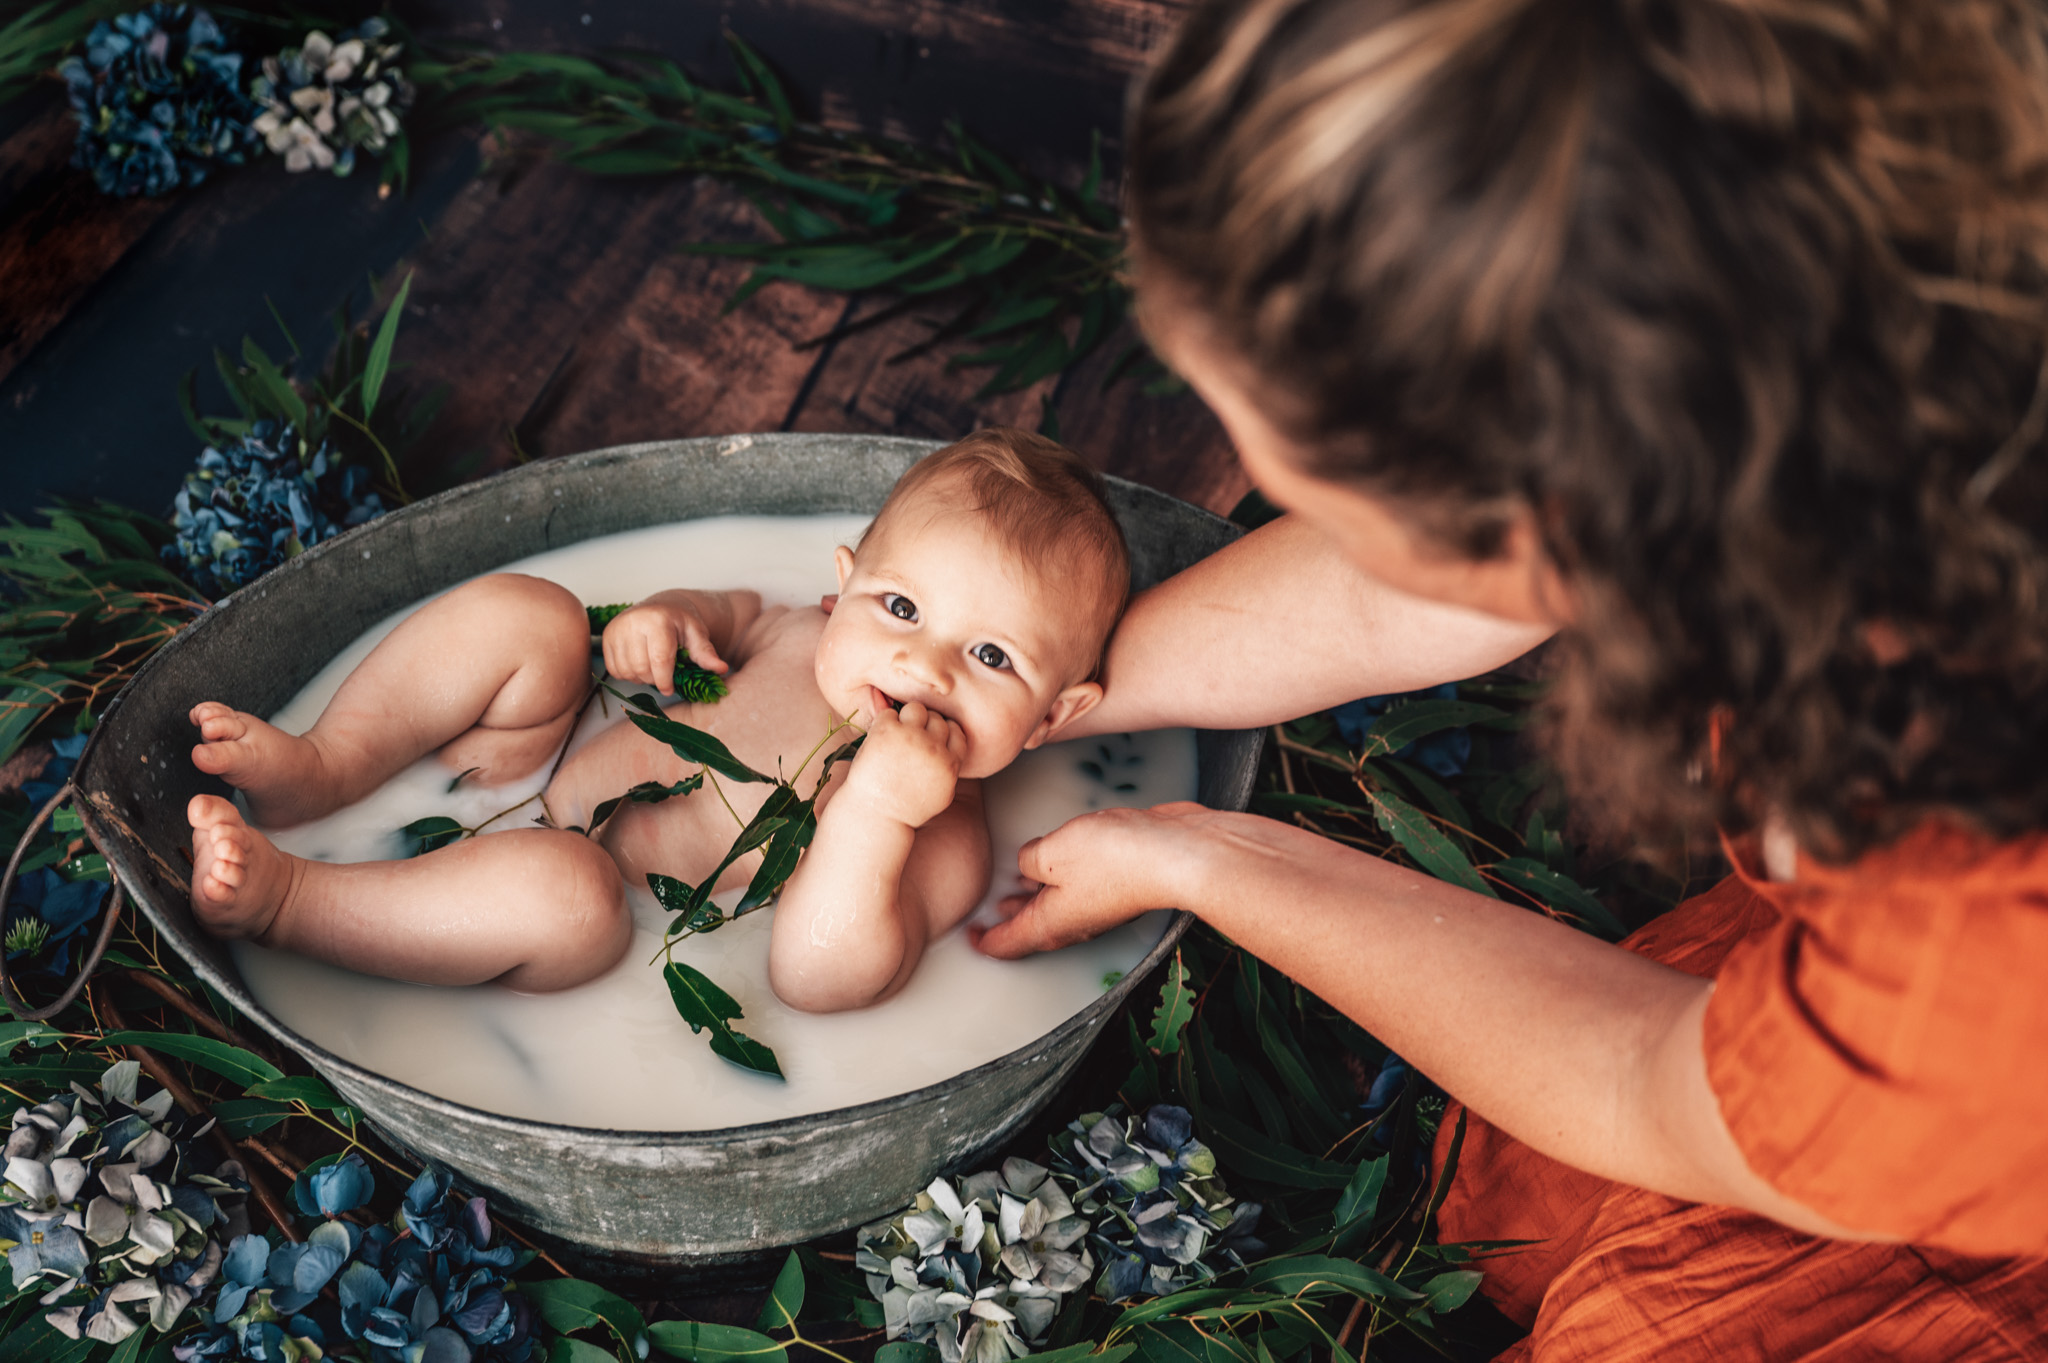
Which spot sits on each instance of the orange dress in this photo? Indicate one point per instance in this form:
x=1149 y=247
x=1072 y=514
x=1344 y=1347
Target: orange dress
x=1878 y=1042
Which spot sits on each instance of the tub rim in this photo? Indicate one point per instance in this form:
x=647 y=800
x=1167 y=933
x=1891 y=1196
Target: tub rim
x=796 y=1127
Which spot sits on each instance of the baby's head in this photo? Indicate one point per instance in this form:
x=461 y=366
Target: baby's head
x=985 y=590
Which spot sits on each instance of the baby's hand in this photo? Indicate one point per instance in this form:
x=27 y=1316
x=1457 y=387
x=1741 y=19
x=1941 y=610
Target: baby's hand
x=640 y=644
x=908 y=766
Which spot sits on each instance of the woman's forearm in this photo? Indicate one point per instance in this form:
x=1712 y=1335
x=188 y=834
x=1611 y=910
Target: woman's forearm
x=1588 y=1053
x=1278 y=625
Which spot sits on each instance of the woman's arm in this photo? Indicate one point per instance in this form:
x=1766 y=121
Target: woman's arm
x=1277 y=625
x=1585 y=1052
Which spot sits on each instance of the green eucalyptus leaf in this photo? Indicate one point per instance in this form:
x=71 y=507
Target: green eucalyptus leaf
x=694 y=745
x=1559 y=892
x=432 y=833
x=1449 y=1291
x=309 y=1089
x=908 y=1351
x=12 y=1034
x=707 y=1008
x=275 y=389
x=242 y=1118
x=230 y=1062
x=1176 y=1006
x=1359 y=1203
x=571 y=1304
x=378 y=366
x=563 y=1349
x=702 y=1342
x=785 y=851
x=786 y=1299
x=1416 y=719
x=1425 y=842
x=1074 y=1353
x=1299 y=1273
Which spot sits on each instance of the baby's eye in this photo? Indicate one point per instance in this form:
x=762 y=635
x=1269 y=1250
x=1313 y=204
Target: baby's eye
x=902 y=607
x=991 y=656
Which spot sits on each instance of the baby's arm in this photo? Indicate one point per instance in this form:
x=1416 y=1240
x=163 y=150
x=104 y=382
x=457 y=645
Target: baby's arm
x=640 y=644
x=901 y=855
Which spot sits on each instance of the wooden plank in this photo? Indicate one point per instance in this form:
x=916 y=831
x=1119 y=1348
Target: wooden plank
x=557 y=305
x=1173 y=443
x=92 y=411
x=862 y=385
x=673 y=362
x=40 y=146
x=58 y=233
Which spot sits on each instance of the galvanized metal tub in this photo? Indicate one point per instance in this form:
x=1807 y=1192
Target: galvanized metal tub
x=621 y=1199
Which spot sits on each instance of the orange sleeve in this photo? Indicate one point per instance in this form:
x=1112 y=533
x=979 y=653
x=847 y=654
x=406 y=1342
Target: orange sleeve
x=1880 y=1054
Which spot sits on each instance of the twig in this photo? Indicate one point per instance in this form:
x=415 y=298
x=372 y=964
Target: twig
x=270 y=1156
x=1344 y=1332
x=180 y=1000
x=545 y=1257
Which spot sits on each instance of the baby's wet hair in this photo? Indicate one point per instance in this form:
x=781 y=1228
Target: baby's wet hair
x=1045 y=504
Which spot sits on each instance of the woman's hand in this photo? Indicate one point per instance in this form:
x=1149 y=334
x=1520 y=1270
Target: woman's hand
x=640 y=645
x=1102 y=870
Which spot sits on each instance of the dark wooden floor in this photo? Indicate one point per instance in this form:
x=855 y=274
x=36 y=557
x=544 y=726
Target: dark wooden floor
x=556 y=305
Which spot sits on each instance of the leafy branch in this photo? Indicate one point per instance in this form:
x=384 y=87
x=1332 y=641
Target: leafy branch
x=1033 y=272
x=349 y=390
x=784 y=825
x=86 y=601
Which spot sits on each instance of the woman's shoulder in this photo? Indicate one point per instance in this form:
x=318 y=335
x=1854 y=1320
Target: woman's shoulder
x=1875 y=1050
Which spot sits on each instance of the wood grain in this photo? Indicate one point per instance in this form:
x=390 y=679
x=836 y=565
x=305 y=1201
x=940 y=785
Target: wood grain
x=862 y=385
x=58 y=233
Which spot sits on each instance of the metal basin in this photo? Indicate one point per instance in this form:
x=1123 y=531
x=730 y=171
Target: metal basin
x=619 y=1198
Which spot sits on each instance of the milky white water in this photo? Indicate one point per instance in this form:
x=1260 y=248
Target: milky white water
x=613 y=1053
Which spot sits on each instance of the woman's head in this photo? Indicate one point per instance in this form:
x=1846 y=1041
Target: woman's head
x=1734 y=306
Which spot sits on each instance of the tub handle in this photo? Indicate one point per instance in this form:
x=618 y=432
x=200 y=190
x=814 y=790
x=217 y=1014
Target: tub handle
x=99 y=947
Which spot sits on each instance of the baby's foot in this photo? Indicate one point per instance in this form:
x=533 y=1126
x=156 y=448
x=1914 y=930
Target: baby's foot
x=239 y=878
x=281 y=775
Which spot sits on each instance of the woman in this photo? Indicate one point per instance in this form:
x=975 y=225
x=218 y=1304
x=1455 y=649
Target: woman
x=1709 y=336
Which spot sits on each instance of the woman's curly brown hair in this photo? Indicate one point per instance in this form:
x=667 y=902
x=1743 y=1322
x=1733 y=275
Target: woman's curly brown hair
x=1742 y=300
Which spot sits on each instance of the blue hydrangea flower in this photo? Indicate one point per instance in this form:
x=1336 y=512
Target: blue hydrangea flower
x=1163 y=1219
x=159 y=101
x=247 y=508
x=334 y=1189
x=1445 y=752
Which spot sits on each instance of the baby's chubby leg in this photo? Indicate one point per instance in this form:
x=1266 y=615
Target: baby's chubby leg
x=492 y=675
x=536 y=909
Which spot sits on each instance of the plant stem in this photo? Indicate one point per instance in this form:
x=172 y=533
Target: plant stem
x=390 y=464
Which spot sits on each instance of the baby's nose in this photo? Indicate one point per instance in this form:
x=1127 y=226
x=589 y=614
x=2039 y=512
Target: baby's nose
x=925 y=669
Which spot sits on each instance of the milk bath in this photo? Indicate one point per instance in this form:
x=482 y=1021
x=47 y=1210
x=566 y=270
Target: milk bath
x=612 y=1053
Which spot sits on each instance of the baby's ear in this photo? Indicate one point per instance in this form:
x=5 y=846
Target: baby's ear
x=842 y=558
x=1072 y=703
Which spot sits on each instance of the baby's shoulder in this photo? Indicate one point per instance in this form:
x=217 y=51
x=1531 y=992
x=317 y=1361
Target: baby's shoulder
x=782 y=629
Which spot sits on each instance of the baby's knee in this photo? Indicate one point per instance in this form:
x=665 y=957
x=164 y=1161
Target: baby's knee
x=534 y=606
x=584 y=923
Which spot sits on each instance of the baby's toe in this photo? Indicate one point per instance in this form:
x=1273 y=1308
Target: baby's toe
x=223 y=725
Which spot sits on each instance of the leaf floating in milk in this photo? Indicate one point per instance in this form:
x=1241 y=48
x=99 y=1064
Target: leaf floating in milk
x=432 y=833
x=706 y=1007
x=646 y=793
x=692 y=745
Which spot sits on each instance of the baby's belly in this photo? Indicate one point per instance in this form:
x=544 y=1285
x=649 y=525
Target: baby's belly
x=684 y=836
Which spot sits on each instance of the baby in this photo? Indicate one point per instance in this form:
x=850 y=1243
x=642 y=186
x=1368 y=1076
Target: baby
x=968 y=626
